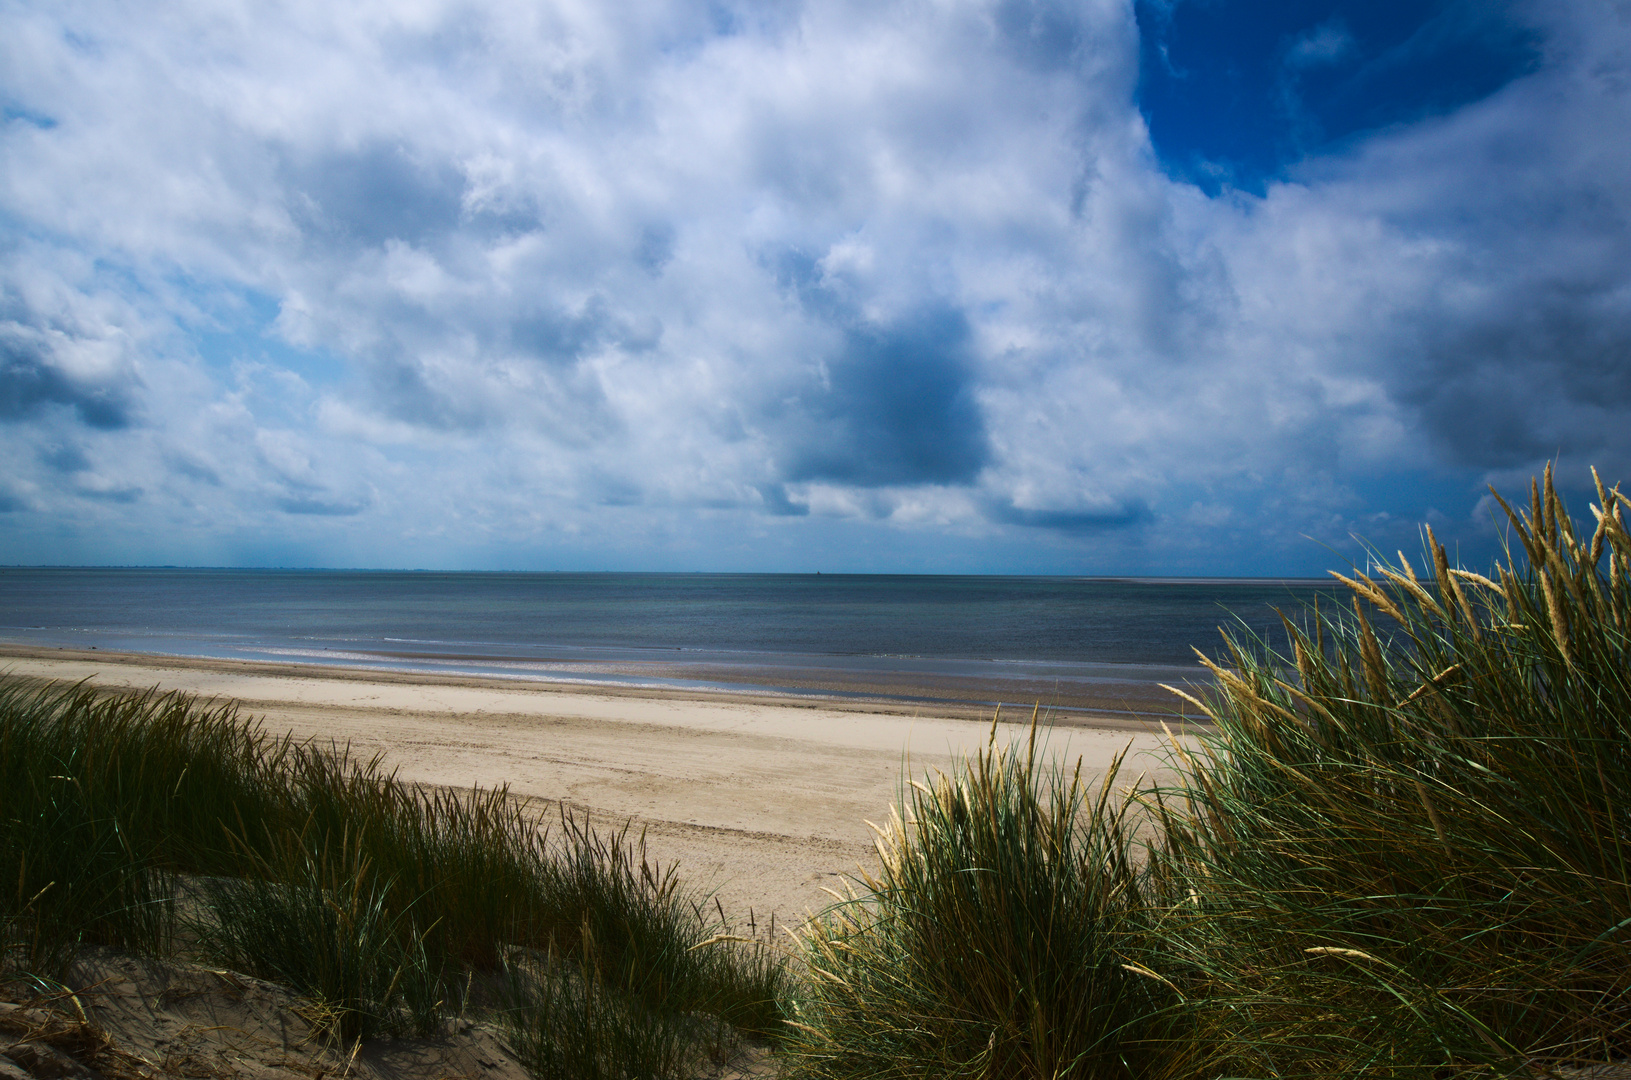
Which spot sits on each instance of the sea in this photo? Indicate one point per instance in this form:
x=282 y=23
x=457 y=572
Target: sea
x=1069 y=644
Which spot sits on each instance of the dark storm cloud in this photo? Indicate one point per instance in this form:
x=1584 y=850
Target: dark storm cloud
x=32 y=377
x=1545 y=374
x=1100 y=519
x=894 y=407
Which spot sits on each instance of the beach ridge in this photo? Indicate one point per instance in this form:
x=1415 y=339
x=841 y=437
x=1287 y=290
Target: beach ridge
x=762 y=798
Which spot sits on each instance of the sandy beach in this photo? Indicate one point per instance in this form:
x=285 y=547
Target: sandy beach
x=763 y=800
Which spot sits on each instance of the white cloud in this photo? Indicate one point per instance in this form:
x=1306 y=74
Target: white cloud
x=1328 y=43
x=465 y=283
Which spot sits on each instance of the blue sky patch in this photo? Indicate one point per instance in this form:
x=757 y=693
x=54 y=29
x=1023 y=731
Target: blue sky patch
x=249 y=333
x=27 y=116
x=1235 y=92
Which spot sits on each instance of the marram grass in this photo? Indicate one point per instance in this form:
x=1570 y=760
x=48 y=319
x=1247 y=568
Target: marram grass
x=1004 y=934
x=1401 y=848
x=1409 y=841
x=381 y=902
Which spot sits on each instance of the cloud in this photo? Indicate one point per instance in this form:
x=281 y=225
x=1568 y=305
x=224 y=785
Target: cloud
x=45 y=361
x=1499 y=245
x=1547 y=374
x=1328 y=43
x=1045 y=34
x=685 y=284
x=894 y=406
x=319 y=506
x=374 y=194
x=1086 y=520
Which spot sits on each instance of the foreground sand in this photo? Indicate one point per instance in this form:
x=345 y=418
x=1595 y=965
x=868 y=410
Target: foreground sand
x=763 y=800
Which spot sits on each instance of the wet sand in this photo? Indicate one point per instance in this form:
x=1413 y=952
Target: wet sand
x=763 y=799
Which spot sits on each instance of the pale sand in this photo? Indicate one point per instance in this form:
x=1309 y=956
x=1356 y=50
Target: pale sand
x=762 y=800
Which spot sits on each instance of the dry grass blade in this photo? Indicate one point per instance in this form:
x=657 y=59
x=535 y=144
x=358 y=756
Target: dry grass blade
x=48 y=1040
x=1560 y=621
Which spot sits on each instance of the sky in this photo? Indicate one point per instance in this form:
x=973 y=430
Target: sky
x=1160 y=287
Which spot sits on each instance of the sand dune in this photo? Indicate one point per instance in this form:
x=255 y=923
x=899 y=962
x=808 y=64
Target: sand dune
x=764 y=800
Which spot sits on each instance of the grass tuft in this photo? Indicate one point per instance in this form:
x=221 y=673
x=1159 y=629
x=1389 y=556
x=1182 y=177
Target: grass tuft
x=1005 y=934
x=377 y=900
x=1402 y=848
x=1410 y=836
x=322 y=923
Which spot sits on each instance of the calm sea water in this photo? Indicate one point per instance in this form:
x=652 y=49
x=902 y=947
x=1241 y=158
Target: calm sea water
x=950 y=637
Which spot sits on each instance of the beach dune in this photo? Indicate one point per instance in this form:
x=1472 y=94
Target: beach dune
x=762 y=800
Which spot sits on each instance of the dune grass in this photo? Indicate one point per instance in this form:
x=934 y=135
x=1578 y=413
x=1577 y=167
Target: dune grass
x=653 y=983
x=567 y=1025
x=377 y=900
x=1411 y=845
x=1402 y=847
x=89 y=797
x=1001 y=936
